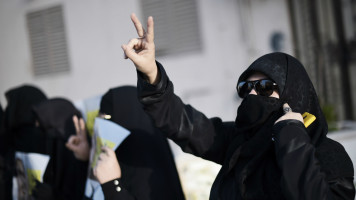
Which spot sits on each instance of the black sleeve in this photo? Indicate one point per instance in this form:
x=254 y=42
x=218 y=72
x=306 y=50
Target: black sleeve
x=113 y=190
x=302 y=177
x=189 y=128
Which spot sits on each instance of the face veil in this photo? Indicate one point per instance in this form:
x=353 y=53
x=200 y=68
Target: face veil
x=252 y=153
x=295 y=88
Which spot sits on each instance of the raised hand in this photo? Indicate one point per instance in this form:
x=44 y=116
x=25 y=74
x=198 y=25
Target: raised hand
x=79 y=143
x=141 y=50
x=107 y=167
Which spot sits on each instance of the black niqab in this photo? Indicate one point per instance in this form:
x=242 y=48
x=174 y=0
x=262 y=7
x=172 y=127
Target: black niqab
x=146 y=161
x=64 y=173
x=55 y=117
x=295 y=88
x=19 y=108
x=20 y=132
x=253 y=163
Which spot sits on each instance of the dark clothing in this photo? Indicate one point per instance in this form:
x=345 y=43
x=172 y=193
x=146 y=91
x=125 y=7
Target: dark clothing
x=114 y=190
x=65 y=176
x=19 y=130
x=2 y=157
x=297 y=165
x=146 y=161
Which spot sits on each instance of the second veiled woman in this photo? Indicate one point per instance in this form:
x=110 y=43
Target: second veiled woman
x=147 y=165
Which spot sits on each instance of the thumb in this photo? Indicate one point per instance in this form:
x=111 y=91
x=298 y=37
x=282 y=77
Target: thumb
x=71 y=143
x=129 y=51
x=287 y=108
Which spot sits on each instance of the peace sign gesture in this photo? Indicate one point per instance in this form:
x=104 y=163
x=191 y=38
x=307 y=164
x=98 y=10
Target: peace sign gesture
x=78 y=143
x=141 y=50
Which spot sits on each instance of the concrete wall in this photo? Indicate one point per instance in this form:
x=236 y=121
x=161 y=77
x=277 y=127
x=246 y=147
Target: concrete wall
x=234 y=32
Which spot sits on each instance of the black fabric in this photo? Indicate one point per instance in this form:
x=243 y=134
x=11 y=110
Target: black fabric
x=254 y=167
x=296 y=89
x=20 y=129
x=65 y=176
x=1 y=119
x=305 y=174
x=110 y=190
x=252 y=153
x=20 y=132
x=2 y=157
x=19 y=108
x=146 y=161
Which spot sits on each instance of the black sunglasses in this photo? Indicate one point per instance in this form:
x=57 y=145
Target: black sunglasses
x=263 y=87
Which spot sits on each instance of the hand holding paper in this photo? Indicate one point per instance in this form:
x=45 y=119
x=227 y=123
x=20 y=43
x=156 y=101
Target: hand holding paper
x=107 y=167
x=103 y=162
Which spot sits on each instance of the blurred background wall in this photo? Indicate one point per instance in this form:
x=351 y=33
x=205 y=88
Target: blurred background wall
x=73 y=48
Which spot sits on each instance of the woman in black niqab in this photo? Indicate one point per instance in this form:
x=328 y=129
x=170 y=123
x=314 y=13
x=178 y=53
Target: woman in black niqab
x=19 y=130
x=260 y=159
x=146 y=161
x=20 y=121
x=65 y=176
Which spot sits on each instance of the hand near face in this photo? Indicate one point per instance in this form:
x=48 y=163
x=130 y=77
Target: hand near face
x=79 y=143
x=141 y=50
x=289 y=114
x=107 y=167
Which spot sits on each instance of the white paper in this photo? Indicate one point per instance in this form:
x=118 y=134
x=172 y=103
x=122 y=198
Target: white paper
x=34 y=167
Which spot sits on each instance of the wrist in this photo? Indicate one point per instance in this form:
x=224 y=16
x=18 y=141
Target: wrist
x=153 y=77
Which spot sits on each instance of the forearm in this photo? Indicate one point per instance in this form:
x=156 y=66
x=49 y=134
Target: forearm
x=189 y=128
x=302 y=177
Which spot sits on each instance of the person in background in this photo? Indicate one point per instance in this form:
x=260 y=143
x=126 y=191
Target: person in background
x=142 y=167
x=20 y=132
x=65 y=175
x=267 y=153
x=35 y=124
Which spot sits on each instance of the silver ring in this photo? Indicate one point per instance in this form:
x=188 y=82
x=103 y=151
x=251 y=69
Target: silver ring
x=287 y=109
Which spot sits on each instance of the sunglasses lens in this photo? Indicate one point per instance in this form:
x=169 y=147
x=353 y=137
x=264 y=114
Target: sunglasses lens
x=244 y=88
x=265 y=87
x=262 y=87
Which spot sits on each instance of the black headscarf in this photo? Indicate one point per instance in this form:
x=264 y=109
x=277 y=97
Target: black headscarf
x=253 y=163
x=20 y=127
x=64 y=173
x=19 y=108
x=295 y=88
x=146 y=161
x=20 y=132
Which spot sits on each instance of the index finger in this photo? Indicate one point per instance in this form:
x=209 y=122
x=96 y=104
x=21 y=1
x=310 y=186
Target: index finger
x=138 y=25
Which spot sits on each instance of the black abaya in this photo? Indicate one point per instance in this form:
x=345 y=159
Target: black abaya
x=147 y=164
